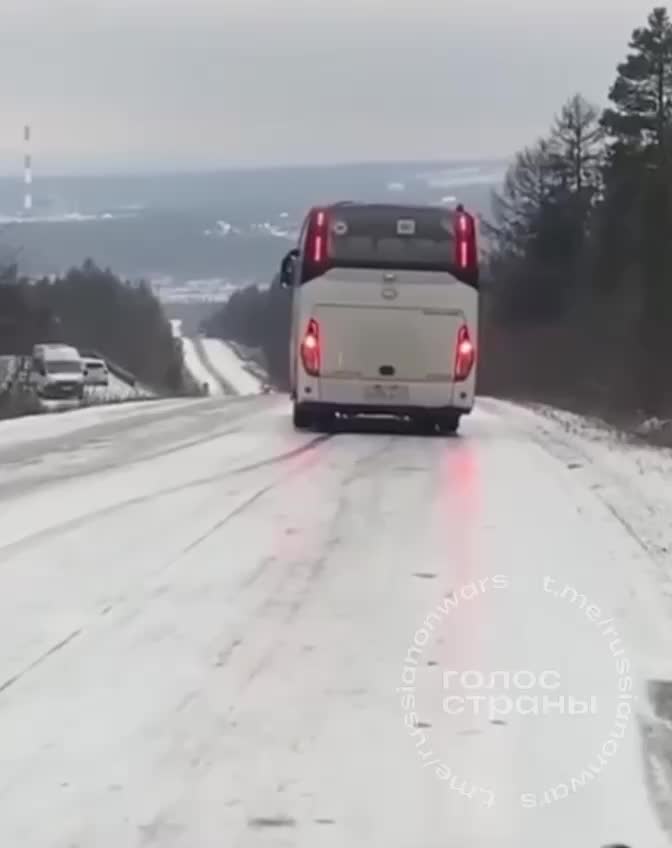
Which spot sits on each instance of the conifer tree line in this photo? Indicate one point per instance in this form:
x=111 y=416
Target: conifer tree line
x=258 y=318
x=92 y=309
x=578 y=305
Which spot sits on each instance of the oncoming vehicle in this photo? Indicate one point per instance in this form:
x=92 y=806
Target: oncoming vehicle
x=57 y=372
x=96 y=372
x=384 y=314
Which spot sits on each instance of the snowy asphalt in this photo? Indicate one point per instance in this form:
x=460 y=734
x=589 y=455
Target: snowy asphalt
x=215 y=631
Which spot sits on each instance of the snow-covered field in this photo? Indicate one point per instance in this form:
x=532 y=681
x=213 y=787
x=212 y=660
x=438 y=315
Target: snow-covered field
x=216 y=631
x=230 y=367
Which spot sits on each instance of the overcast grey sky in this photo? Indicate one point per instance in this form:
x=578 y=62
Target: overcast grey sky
x=128 y=84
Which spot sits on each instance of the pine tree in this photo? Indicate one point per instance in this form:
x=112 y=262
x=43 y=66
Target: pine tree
x=640 y=118
x=577 y=150
x=637 y=214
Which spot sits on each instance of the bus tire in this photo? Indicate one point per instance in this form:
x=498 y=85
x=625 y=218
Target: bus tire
x=301 y=418
x=323 y=422
x=449 y=423
x=425 y=425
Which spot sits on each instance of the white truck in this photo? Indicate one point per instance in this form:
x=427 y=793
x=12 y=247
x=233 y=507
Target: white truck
x=57 y=372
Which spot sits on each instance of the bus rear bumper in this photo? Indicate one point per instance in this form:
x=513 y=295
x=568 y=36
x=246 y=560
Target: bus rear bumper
x=391 y=410
x=363 y=397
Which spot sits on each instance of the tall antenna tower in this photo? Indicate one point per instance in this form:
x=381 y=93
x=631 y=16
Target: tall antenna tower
x=27 y=173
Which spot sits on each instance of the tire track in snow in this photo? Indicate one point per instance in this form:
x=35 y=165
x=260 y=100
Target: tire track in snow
x=238 y=510
x=120 y=426
x=73 y=523
x=307 y=574
x=15 y=678
x=269 y=594
x=16 y=488
x=244 y=408
x=246 y=504
x=280 y=600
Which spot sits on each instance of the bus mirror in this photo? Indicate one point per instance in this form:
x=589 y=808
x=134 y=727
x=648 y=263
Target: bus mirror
x=287 y=269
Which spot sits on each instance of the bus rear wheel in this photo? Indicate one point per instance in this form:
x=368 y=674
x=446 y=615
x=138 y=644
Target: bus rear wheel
x=301 y=418
x=313 y=419
x=449 y=423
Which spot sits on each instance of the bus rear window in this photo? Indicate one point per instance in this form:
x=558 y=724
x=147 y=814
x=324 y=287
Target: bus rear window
x=389 y=237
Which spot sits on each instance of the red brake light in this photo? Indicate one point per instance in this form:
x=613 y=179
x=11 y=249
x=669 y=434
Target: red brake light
x=310 y=349
x=317 y=250
x=465 y=354
x=466 y=257
x=317 y=238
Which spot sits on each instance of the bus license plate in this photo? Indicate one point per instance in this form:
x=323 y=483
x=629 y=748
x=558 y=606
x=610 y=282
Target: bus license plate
x=386 y=393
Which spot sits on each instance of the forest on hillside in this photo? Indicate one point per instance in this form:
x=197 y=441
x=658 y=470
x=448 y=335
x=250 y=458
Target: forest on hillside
x=92 y=309
x=580 y=309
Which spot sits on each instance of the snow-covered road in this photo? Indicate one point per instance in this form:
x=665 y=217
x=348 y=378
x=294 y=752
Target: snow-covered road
x=197 y=369
x=230 y=368
x=218 y=632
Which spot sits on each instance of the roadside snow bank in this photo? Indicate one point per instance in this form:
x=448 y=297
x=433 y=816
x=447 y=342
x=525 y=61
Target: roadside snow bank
x=633 y=480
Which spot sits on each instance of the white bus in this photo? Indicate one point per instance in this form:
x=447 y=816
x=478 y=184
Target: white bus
x=384 y=314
